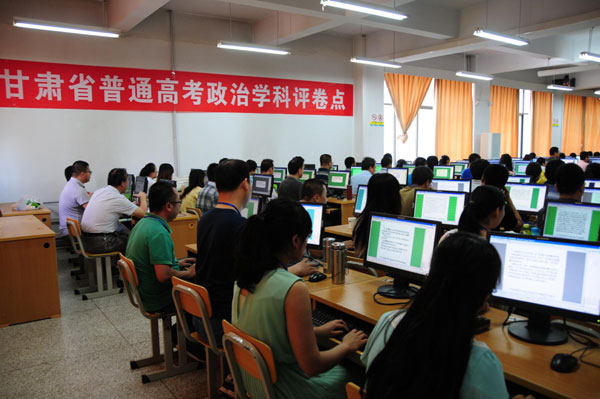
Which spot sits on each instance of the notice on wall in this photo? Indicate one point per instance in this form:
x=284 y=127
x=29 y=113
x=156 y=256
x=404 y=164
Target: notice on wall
x=27 y=84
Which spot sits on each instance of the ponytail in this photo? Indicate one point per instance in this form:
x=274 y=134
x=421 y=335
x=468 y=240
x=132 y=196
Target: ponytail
x=484 y=200
x=265 y=236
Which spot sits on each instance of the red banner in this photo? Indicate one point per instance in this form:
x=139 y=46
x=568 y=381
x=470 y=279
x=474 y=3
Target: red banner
x=66 y=86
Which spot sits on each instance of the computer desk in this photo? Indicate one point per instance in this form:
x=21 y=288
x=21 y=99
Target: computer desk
x=346 y=207
x=343 y=230
x=524 y=364
x=183 y=232
x=42 y=213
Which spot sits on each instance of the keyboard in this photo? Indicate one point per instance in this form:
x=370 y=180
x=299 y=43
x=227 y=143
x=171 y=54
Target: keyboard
x=321 y=316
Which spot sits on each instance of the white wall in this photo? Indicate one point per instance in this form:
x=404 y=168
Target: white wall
x=37 y=144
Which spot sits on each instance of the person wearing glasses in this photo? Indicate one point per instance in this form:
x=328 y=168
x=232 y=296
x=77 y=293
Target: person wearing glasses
x=102 y=231
x=152 y=251
x=74 y=197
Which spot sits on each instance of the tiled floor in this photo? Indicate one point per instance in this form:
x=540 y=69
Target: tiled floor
x=85 y=352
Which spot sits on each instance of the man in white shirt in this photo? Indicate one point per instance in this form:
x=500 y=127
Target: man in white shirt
x=74 y=197
x=368 y=169
x=584 y=160
x=102 y=231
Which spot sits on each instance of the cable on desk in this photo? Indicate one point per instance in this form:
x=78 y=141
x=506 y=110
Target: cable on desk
x=390 y=304
x=506 y=322
x=587 y=342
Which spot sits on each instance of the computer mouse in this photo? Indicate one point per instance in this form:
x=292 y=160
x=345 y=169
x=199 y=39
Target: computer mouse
x=563 y=363
x=316 y=277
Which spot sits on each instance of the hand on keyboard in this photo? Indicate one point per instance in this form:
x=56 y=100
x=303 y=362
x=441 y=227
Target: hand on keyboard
x=355 y=340
x=333 y=328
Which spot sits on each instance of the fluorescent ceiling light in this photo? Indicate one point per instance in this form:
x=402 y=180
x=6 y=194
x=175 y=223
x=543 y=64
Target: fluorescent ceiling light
x=255 y=48
x=365 y=8
x=586 y=55
x=559 y=87
x=57 y=27
x=473 y=75
x=597 y=92
x=486 y=34
x=375 y=62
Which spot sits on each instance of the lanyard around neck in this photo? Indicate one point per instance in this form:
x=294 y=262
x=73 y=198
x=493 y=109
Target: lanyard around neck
x=231 y=205
x=151 y=216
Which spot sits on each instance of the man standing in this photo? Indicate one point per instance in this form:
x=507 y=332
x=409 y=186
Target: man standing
x=291 y=187
x=74 y=197
x=208 y=196
x=368 y=169
x=102 y=231
x=151 y=249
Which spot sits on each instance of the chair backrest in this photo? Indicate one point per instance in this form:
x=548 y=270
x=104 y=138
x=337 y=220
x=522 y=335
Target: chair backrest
x=75 y=236
x=131 y=282
x=194 y=299
x=195 y=211
x=251 y=355
x=353 y=391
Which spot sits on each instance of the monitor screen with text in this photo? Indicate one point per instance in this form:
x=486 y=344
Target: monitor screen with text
x=444 y=207
x=279 y=174
x=262 y=185
x=141 y=184
x=527 y=197
x=401 y=174
x=443 y=172
x=251 y=208
x=521 y=167
x=459 y=167
x=315 y=211
x=549 y=272
x=573 y=221
x=463 y=186
x=591 y=196
x=592 y=183
x=307 y=174
x=338 y=179
x=519 y=179
x=361 y=199
x=401 y=243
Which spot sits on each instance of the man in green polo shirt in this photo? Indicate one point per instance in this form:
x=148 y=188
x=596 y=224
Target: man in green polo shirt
x=151 y=249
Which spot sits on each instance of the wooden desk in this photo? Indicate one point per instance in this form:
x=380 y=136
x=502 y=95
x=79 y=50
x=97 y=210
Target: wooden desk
x=184 y=232
x=351 y=278
x=43 y=213
x=192 y=249
x=525 y=364
x=343 y=230
x=346 y=206
x=29 y=283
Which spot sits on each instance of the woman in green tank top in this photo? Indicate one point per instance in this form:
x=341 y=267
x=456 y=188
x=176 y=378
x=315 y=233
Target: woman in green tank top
x=273 y=305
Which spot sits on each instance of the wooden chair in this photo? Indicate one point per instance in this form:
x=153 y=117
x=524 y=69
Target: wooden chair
x=100 y=273
x=195 y=211
x=353 y=391
x=244 y=352
x=194 y=299
x=131 y=282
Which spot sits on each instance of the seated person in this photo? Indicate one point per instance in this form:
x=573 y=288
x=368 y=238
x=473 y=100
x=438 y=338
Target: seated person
x=102 y=231
x=273 y=305
x=252 y=166
x=368 y=169
x=68 y=172
x=217 y=238
x=432 y=161
x=570 y=182
x=383 y=195
x=584 y=160
x=551 y=167
x=386 y=162
x=506 y=160
x=419 y=161
x=466 y=173
x=165 y=172
x=592 y=172
x=208 y=196
x=444 y=160
x=74 y=197
x=421 y=179
x=497 y=176
x=400 y=163
x=349 y=162
x=314 y=190
x=291 y=187
x=151 y=249
x=483 y=213
x=429 y=350
x=149 y=172
x=267 y=167
x=534 y=171
x=189 y=197
x=477 y=169
x=326 y=165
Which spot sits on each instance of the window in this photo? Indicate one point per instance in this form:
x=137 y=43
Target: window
x=421 y=133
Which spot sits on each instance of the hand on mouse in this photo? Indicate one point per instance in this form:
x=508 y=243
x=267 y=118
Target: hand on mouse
x=354 y=340
x=303 y=268
x=331 y=329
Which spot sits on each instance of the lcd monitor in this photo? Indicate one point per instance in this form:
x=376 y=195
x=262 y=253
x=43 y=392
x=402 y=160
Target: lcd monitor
x=575 y=221
x=463 y=186
x=443 y=172
x=442 y=206
x=527 y=197
x=262 y=185
x=401 y=174
x=361 y=199
x=315 y=211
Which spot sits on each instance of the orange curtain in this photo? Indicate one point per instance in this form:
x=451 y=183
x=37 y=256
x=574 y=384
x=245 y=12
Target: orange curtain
x=541 y=125
x=408 y=93
x=454 y=118
x=572 y=137
x=504 y=118
x=591 y=138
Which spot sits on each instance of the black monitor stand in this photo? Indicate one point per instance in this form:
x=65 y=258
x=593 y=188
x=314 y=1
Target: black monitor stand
x=399 y=290
x=538 y=330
